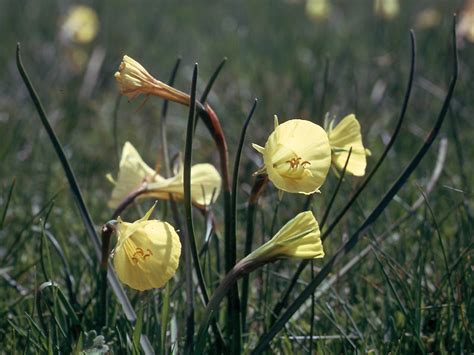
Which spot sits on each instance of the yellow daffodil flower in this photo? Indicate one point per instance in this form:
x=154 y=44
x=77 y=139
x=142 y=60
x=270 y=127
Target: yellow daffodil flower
x=318 y=9
x=80 y=25
x=133 y=79
x=296 y=156
x=147 y=252
x=135 y=173
x=205 y=185
x=341 y=138
x=297 y=239
x=387 y=9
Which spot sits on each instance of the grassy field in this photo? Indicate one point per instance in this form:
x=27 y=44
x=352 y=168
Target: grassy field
x=405 y=287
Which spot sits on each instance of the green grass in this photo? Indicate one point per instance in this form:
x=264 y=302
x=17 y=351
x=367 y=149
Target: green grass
x=407 y=285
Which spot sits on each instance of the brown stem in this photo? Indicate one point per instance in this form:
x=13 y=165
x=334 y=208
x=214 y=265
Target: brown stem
x=128 y=200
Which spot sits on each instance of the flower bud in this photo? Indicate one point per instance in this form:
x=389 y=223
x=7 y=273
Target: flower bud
x=133 y=79
x=297 y=239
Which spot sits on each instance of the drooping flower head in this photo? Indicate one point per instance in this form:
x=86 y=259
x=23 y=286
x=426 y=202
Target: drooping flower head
x=296 y=156
x=135 y=173
x=341 y=138
x=147 y=252
x=299 y=238
x=133 y=79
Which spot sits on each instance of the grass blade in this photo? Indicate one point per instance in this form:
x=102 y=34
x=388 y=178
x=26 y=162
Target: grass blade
x=212 y=80
x=164 y=112
x=189 y=241
x=7 y=203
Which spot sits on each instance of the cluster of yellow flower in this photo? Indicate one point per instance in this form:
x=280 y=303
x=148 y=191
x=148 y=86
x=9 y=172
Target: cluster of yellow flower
x=297 y=157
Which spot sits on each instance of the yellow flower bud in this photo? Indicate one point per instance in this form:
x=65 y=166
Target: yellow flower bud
x=341 y=138
x=147 y=252
x=135 y=173
x=297 y=239
x=80 y=25
x=133 y=79
x=296 y=156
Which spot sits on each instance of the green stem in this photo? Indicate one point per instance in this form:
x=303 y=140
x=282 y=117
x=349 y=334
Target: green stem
x=107 y=230
x=242 y=268
x=190 y=243
x=233 y=311
x=257 y=189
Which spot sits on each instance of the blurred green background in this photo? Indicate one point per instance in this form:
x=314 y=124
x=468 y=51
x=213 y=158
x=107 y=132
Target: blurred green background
x=279 y=54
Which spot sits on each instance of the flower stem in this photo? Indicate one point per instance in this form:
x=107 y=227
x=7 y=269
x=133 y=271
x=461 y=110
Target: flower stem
x=257 y=189
x=107 y=231
x=242 y=268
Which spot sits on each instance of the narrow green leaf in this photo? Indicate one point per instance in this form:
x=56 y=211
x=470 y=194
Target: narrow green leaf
x=7 y=203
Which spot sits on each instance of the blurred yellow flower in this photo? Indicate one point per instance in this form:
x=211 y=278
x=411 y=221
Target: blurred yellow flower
x=296 y=156
x=80 y=25
x=428 y=18
x=341 y=138
x=466 y=22
x=147 y=252
x=135 y=173
x=134 y=80
x=387 y=9
x=299 y=238
x=318 y=9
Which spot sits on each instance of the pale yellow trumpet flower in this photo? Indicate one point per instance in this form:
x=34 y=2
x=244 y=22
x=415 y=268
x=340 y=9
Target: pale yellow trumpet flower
x=299 y=238
x=296 y=156
x=133 y=79
x=205 y=185
x=147 y=252
x=134 y=173
x=342 y=138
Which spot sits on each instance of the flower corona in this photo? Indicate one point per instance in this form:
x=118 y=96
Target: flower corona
x=296 y=156
x=147 y=252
